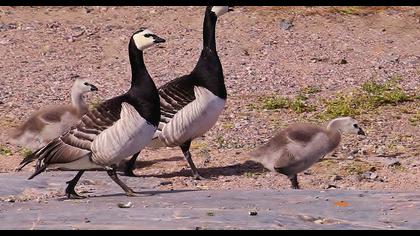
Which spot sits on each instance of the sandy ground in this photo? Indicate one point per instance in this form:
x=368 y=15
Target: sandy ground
x=43 y=47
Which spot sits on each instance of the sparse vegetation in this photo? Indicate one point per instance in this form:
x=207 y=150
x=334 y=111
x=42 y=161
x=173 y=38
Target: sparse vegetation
x=347 y=10
x=298 y=104
x=25 y=152
x=358 y=168
x=370 y=96
x=415 y=119
x=274 y=103
x=5 y=151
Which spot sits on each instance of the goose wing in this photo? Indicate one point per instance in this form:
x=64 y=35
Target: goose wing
x=76 y=143
x=174 y=96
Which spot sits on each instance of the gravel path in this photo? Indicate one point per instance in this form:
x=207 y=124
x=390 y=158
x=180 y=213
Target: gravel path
x=205 y=209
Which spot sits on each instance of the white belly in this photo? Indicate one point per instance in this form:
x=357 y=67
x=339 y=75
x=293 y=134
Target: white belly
x=194 y=119
x=130 y=134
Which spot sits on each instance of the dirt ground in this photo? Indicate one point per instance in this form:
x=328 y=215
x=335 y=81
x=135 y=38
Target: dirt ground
x=42 y=48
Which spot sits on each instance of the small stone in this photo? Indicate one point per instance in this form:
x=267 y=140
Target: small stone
x=308 y=218
x=394 y=163
x=392 y=12
x=336 y=177
x=253 y=213
x=125 y=205
x=342 y=61
x=165 y=183
x=331 y=186
x=286 y=24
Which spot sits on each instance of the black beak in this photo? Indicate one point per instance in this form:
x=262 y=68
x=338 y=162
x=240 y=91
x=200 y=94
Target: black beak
x=230 y=8
x=361 y=132
x=93 y=88
x=158 y=39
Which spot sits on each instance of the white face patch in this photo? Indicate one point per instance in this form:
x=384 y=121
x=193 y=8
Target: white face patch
x=219 y=10
x=142 y=42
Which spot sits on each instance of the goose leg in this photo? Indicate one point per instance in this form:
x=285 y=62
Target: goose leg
x=294 y=181
x=70 y=192
x=113 y=174
x=130 y=165
x=185 y=147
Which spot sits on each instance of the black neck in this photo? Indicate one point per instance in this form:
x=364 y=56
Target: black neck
x=209 y=29
x=143 y=94
x=139 y=74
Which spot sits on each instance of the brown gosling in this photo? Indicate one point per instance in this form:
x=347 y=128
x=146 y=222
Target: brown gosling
x=299 y=146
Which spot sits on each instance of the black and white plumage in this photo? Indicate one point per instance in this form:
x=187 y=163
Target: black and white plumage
x=191 y=104
x=116 y=129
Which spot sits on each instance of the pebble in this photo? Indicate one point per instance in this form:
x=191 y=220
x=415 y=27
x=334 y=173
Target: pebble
x=286 y=24
x=125 y=205
x=253 y=213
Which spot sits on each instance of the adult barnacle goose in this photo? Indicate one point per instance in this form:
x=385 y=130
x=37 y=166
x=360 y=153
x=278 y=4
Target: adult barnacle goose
x=116 y=129
x=191 y=104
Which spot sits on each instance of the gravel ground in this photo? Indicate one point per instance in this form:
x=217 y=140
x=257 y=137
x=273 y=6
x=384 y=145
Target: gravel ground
x=264 y=51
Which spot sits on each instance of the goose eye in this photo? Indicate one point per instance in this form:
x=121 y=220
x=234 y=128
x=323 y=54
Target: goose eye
x=356 y=126
x=147 y=35
x=86 y=83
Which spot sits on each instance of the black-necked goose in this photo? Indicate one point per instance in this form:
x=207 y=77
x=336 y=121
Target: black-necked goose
x=116 y=129
x=52 y=121
x=299 y=146
x=191 y=104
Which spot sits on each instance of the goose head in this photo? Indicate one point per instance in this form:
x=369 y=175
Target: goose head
x=220 y=10
x=145 y=38
x=83 y=86
x=346 y=125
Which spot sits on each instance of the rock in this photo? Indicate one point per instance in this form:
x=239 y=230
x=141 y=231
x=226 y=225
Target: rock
x=8 y=26
x=369 y=175
x=286 y=24
x=331 y=186
x=125 y=205
x=87 y=182
x=393 y=163
x=392 y=12
x=336 y=177
x=253 y=213
x=165 y=183
x=307 y=218
x=342 y=61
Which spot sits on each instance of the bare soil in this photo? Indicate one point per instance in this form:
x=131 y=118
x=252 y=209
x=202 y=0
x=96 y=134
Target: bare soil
x=43 y=47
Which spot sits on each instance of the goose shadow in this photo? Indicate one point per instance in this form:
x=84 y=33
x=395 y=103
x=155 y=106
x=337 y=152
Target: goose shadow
x=146 y=193
x=248 y=167
x=142 y=163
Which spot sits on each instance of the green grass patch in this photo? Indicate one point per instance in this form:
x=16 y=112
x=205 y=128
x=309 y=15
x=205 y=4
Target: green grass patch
x=369 y=96
x=5 y=151
x=25 y=152
x=298 y=104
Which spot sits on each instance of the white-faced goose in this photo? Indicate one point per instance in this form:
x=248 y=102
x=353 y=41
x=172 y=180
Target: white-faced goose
x=52 y=121
x=116 y=129
x=299 y=146
x=191 y=104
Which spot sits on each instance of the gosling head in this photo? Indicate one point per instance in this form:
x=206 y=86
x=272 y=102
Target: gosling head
x=346 y=125
x=145 y=38
x=220 y=10
x=83 y=86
